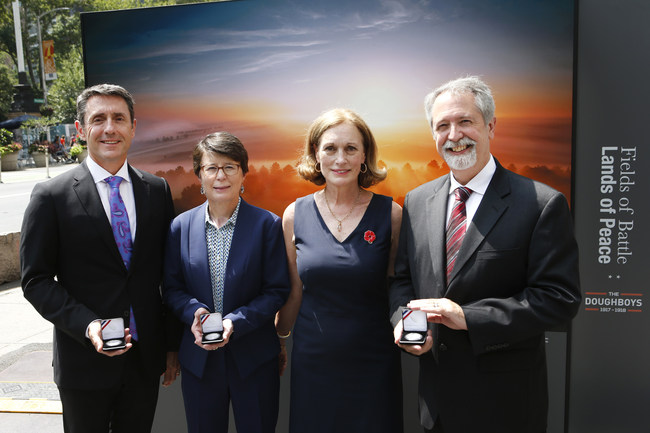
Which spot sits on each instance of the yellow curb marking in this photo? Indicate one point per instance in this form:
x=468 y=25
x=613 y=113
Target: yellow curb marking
x=31 y=406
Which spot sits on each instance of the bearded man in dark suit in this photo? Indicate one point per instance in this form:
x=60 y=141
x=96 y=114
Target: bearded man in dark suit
x=493 y=265
x=74 y=273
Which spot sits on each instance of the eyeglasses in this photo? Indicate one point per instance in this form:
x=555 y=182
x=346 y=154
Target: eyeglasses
x=213 y=170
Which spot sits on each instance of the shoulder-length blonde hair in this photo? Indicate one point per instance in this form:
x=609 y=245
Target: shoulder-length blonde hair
x=307 y=165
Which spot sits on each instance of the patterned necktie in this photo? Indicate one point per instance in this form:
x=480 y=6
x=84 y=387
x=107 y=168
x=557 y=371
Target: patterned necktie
x=456 y=227
x=121 y=231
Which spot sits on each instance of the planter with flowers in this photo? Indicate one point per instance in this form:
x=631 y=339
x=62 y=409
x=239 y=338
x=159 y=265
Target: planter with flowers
x=39 y=154
x=79 y=151
x=8 y=151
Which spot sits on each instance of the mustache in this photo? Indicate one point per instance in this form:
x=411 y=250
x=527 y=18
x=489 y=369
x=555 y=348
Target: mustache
x=465 y=141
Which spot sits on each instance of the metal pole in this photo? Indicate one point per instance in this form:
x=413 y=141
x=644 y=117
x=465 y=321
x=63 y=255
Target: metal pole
x=19 y=37
x=47 y=162
x=0 y=167
x=40 y=55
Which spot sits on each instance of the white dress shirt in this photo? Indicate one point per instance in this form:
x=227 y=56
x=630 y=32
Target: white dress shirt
x=478 y=184
x=126 y=190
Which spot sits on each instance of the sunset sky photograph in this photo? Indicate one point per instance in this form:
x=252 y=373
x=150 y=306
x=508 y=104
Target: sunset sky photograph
x=264 y=69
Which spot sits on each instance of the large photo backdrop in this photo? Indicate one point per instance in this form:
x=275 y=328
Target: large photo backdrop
x=264 y=69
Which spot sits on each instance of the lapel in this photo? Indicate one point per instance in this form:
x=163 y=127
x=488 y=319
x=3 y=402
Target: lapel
x=141 y=193
x=197 y=252
x=436 y=214
x=488 y=213
x=86 y=191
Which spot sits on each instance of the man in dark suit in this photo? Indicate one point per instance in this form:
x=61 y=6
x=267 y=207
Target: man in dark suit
x=74 y=273
x=493 y=268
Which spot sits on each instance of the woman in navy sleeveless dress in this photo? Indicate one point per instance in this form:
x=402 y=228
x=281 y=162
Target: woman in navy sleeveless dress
x=345 y=367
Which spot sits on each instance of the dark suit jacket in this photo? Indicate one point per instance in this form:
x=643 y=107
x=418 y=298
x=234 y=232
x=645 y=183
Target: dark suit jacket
x=72 y=272
x=256 y=285
x=516 y=276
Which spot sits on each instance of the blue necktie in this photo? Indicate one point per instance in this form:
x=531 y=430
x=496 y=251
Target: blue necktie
x=121 y=231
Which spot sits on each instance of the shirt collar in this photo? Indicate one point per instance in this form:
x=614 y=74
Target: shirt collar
x=232 y=220
x=99 y=173
x=478 y=183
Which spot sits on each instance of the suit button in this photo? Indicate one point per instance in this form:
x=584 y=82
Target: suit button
x=126 y=314
x=442 y=347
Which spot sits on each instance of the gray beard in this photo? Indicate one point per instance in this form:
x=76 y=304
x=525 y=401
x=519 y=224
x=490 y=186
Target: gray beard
x=460 y=162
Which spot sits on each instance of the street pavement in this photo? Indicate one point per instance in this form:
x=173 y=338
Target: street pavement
x=15 y=190
x=29 y=400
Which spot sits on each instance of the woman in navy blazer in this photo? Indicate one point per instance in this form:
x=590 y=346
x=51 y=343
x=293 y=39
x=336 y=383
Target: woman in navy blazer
x=227 y=256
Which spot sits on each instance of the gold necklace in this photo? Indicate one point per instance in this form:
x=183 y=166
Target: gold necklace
x=340 y=221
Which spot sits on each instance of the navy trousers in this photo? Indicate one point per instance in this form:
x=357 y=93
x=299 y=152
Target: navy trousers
x=255 y=399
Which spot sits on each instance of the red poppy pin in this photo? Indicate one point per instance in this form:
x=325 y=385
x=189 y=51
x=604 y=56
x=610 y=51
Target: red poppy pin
x=369 y=236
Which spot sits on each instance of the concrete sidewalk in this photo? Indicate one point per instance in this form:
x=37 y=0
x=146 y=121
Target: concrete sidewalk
x=15 y=191
x=29 y=399
x=30 y=174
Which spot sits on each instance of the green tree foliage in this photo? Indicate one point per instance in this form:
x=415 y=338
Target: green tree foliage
x=30 y=11
x=66 y=33
x=6 y=90
x=6 y=137
x=7 y=38
x=62 y=96
x=107 y=5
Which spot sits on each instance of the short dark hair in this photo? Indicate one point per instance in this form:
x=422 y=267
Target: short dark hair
x=222 y=143
x=103 y=90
